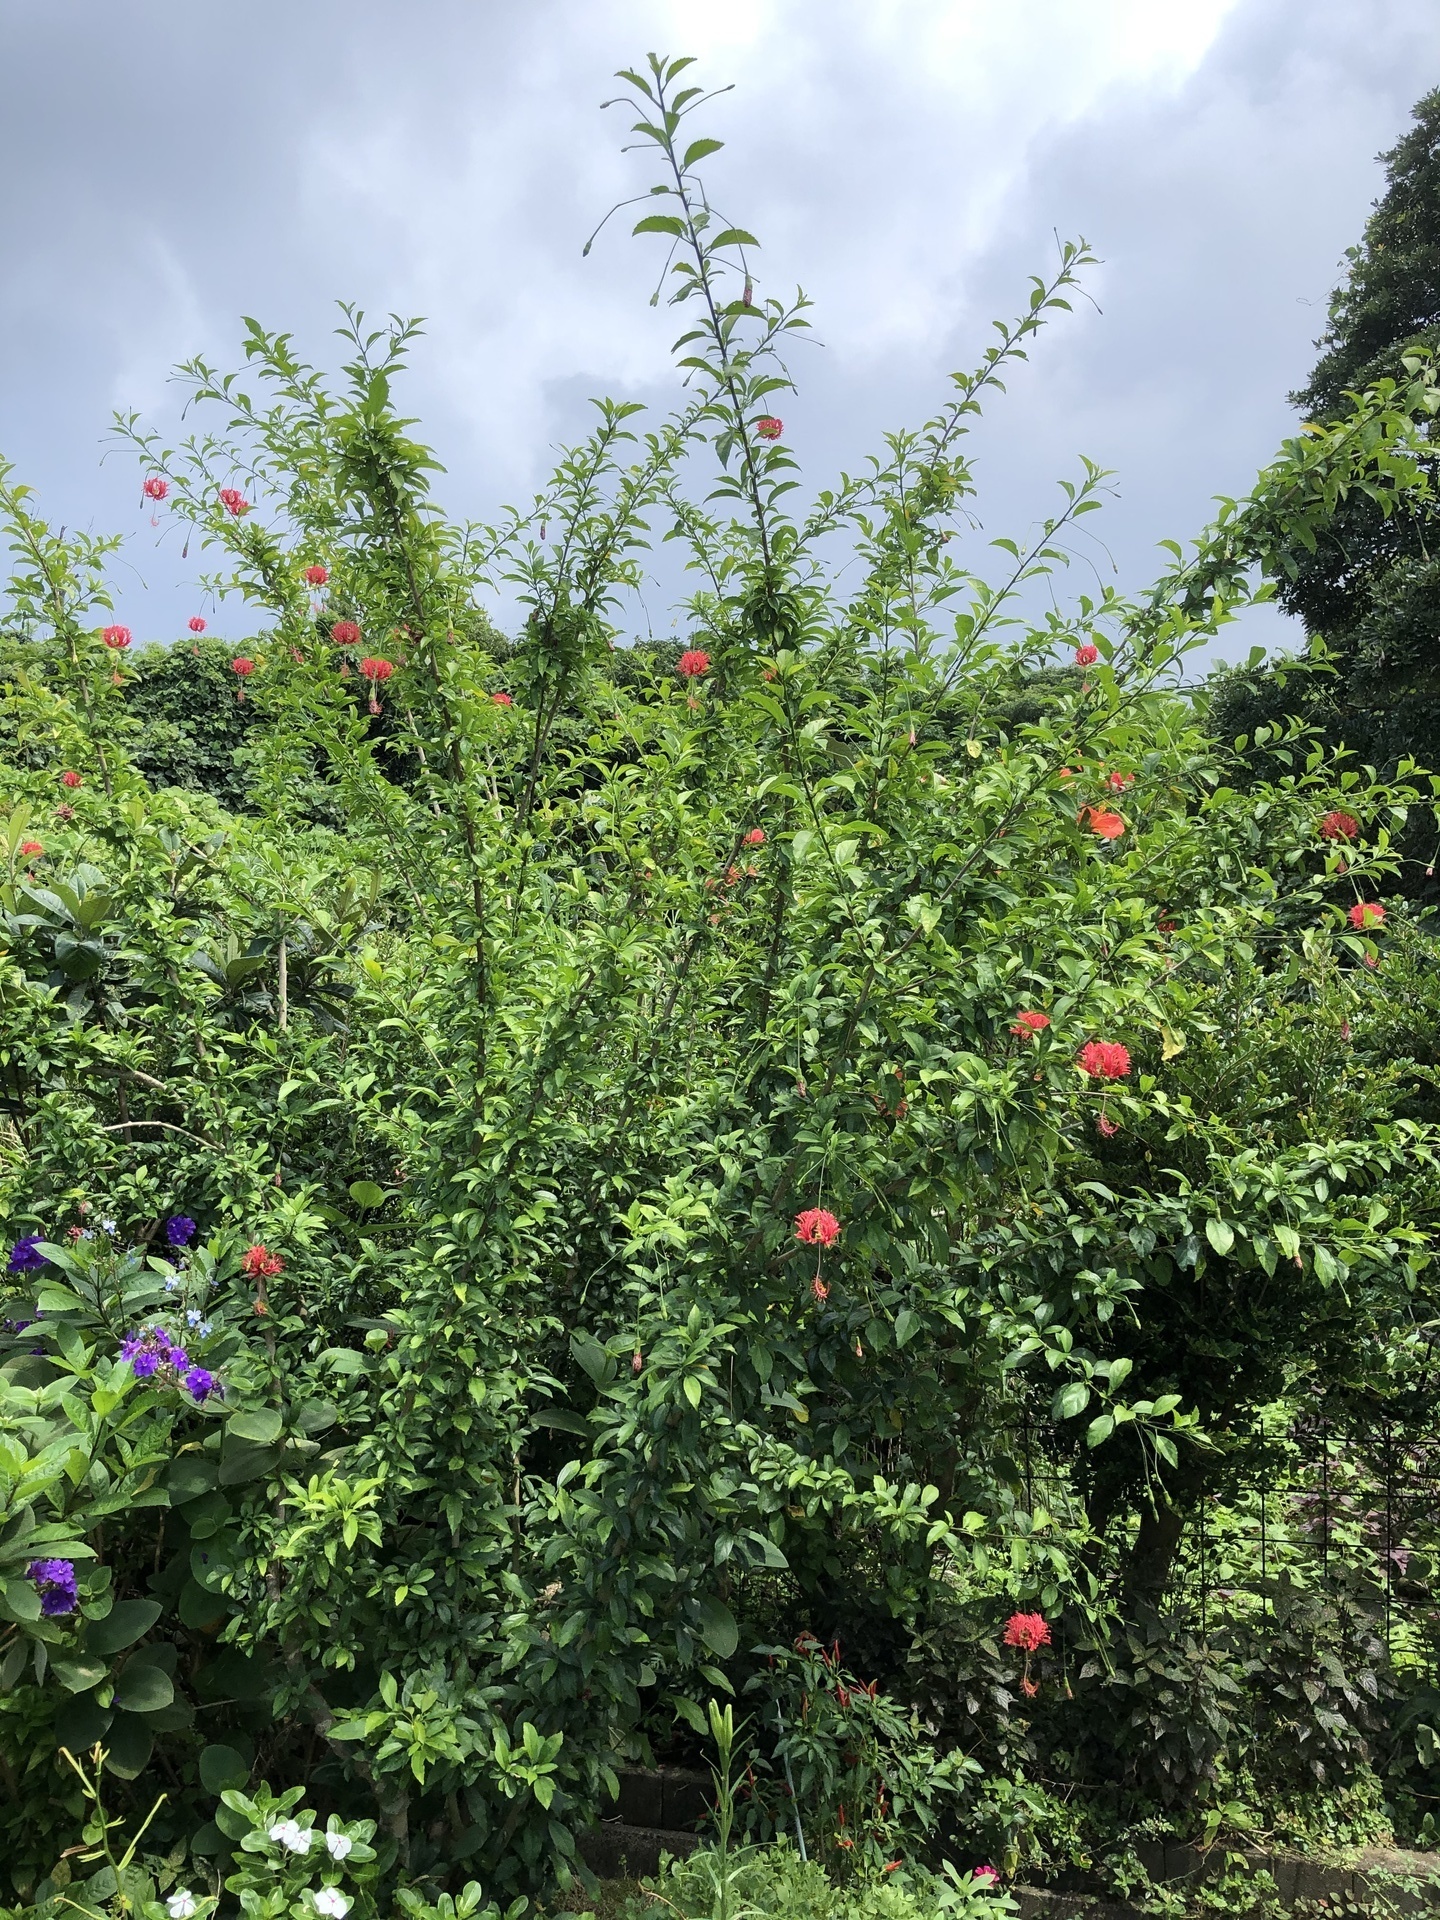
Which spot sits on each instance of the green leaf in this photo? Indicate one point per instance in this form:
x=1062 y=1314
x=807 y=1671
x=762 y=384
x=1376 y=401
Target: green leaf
x=717 y=1625
x=128 y=1745
x=731 y=237
x=81 y=1722
x=222 y=1767
x=697 y=151
x=907 y=1324
x=1072 y=1398
x=365 y=1193
x=126 y=1621
x=142 y=1688
x=79 y=1676
x=1220 y=1234
x=190 y=1476
x=1099 y=1430
x=661 y=223
x=261 y=1427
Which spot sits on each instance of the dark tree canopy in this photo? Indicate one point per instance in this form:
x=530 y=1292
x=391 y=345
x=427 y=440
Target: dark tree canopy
x=1369 y=589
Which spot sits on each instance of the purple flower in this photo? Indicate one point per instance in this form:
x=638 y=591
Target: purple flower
x=201 y=1383
x=25 y=1255
x=55 y=1580
x=145 y=1364
x=179 y=1229
x=178 y=1358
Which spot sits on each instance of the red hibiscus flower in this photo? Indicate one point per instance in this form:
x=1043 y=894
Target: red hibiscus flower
x=234 y=502
x=197 y=625
x=116 y=638
x=1338 y=825
x=755 y=837
x=1104 y=1060
x=1108 y=825
x=502 y=700
x=1029 y=1023
x=155 y=488
x=316 y=576
x=345 y=633
x=693 y=662
x=1366 y=913
x=1027 y=1630
x=817 y=1227
x=768 y=427
x=1087 y=655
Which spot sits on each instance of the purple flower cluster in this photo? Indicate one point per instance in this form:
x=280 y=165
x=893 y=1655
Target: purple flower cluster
x=55 y=1582
x=179 y=1229
x=25 y=1255
x=154 y=1356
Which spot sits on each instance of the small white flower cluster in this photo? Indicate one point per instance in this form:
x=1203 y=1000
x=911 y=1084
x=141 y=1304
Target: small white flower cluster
x=296 y=1839
x=181 y=1904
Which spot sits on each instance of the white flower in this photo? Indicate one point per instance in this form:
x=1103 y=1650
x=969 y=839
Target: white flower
x=181 y=1904
x=288 y=1834
x=339 y=1845
x=330 y=1900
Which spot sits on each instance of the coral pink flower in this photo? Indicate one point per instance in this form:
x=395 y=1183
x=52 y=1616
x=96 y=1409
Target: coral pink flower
x=1106 y=1127
x=1104 y=1060
x=1108 y=825
x=819 y=1290
x=693 y=662
x=768 y=427
x=243 y=667
x=1338 y=825
x=316 y=576
x=155 y=488
x=986 y=1877
x=1027 y=1630
x=116 y=638
x=71 y=779
x=502 y=699
x=755 y=837
x=376 y=669
x=1366 y=913
x=345 y=633
x=234 y=502
x=1029 y=1023
x=1087 y=655
x=31 y=849
x=197 y=624
x=260 y=1263
x=817 y=1226
x=1119 y=781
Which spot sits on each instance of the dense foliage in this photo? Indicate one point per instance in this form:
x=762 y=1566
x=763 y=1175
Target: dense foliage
x=554 y=1183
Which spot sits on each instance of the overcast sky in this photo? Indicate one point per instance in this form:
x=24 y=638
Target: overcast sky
x=907 y=161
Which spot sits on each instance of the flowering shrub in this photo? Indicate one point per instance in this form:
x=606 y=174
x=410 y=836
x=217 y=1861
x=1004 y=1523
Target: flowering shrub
x=520 y=1397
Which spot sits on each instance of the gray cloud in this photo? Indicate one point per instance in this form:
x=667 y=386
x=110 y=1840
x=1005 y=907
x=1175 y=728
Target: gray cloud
x=908 y=163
